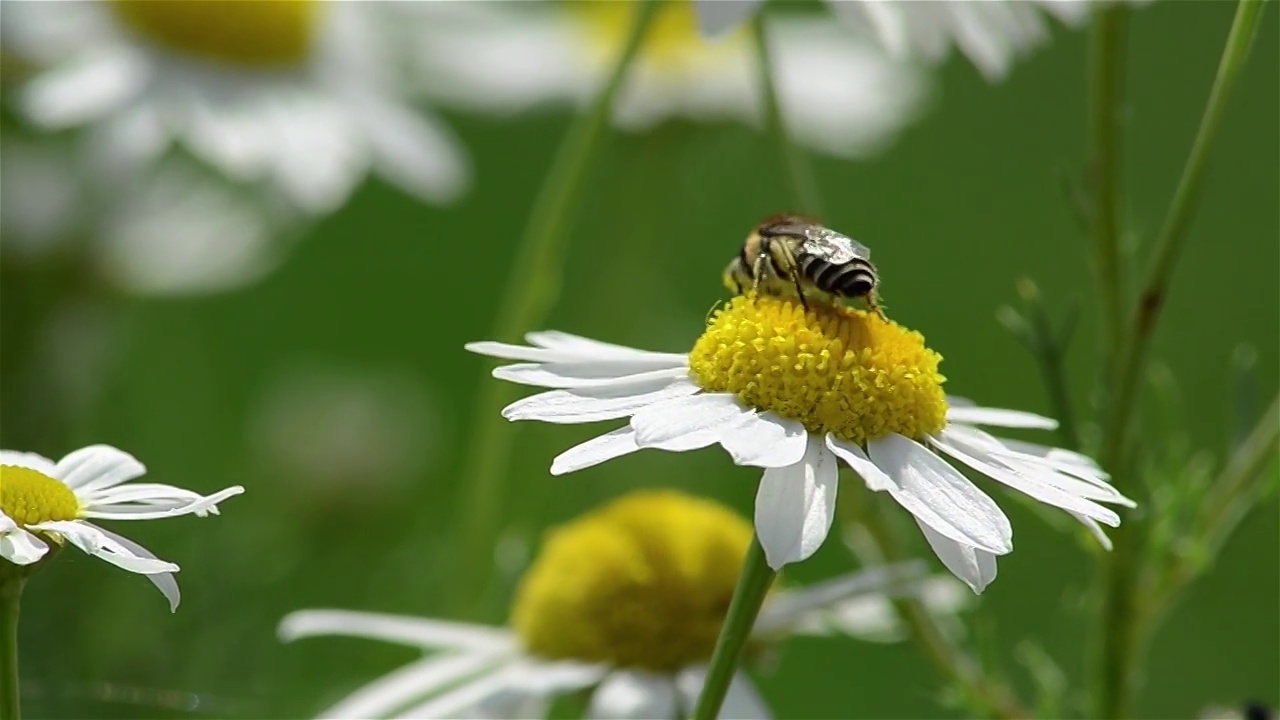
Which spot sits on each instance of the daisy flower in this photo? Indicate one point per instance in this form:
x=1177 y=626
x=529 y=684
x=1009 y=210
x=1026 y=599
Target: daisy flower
x=625 y=601
x=991 y=33
x=291 y=103
x=839 y=95
x=43 y=503
x=798 y=393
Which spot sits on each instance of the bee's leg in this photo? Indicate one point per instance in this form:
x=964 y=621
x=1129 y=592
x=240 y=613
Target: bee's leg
x=799 y=291
x=873 y=301
x=757 y=271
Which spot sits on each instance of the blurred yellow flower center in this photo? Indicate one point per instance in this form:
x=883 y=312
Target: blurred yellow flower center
x=644 y=582
x=28 y=496
x=673 y=44
x=835 y=369
x=254 y=33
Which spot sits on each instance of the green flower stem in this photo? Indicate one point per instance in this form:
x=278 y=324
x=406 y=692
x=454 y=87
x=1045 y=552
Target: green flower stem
x=748 y=596
x=10 y=595
x=1120 y=626
x=1107 y=61
x=531 y=290
x=984 y=695
x=804 y=189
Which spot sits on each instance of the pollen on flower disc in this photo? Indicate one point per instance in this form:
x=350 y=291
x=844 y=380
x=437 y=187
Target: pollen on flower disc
x=260 y=33
x=644 y=582
x=835 y=369
x=28 y=496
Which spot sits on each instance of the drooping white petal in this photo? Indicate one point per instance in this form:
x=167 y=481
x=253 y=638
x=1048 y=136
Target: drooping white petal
x=1028 y=483
x=595 y=451
x=586 y=375
x=560 y=349
x=788 y=608
x=742 y=702
x=202 y=506
x=593 y=404
x=401 y=629
x=689 y=422
x=857 y=460
x=94 y=541
x=31 y=460
x=522 y=677
x=318 y=154
x=17 y=545
x=1000 y=417
x=975 y=566
x=937 y=494
x=1095 y=530
x=766 y=440
x=413 y=682
x=97 y=467
x=717 y=16
x=414 y=150
x=634 y=694
x=165 y=582
x=795 y=506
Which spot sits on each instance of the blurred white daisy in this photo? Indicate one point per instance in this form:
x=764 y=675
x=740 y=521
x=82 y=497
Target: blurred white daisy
x=290 y=104
x=839 y=95
x=797 y=393
x=993 y=34
x=43 y=503
x=626 y=601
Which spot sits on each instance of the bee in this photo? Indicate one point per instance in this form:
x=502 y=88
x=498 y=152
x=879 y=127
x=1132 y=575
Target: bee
x=797 y=255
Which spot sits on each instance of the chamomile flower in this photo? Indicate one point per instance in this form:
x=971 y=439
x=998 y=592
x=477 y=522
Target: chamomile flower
x=626 y=601
x=43 y=503
x=991 y=33
x=798 y=393
x=290 y=104
x=839 y=95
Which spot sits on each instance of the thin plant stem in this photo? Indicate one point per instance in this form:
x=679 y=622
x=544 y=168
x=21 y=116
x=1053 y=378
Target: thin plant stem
x=10 y=596
x=531 y=290
x=1107 y=61
x=799 y=174
x=753 y=585
x=1120 y=635
x=984 y=695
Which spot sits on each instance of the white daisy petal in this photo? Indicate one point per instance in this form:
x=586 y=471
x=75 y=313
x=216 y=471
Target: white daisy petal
x=857 y=460
x=413 y=682
x=98 y=543
x=85 y=89
x=415 y=150
x=634 y=694
x=33 y=461
x=788 y=608
x=976 y=567
x=940 y=496
x=512 y=679
x=586 y=375
x=398 y=629
x=795 y=506
x=766 y=440
x=586 y=347
x=592 y=404
x=202 y=506
x=559 y=349
x=165 y=582
x=1029 y=484
x=17 y=545
x=742 y=702
x=1000 y=417
x=97 y=467
x=1095 y=530
x=687 y=423
x=595 y=451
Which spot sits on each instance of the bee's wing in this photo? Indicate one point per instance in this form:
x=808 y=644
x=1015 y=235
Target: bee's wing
x=835 y=248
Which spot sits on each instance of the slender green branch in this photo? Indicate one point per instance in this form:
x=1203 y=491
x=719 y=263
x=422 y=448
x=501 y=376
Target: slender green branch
x=748 y=596
x=1120 y=627
x=984 y=695
x=531 y=290
x=804 y=189
x=1173 y=232
x=1107 y=72
x=10 y=596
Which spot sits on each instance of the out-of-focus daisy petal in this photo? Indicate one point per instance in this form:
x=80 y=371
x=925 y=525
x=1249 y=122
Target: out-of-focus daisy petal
x=634 y=694
x=742 y=702
x=717 y=16
x=393 y=628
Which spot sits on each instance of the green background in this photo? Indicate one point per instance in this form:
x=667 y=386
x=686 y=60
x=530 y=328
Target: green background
x=968 y=200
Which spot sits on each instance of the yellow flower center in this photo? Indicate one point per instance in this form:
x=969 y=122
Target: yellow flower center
x=644 y=581
x=835 y=369
x=254 y=33
x=673 y=45
x=28 y=496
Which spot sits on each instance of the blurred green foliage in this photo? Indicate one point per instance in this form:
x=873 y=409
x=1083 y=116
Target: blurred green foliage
x=970 y=199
